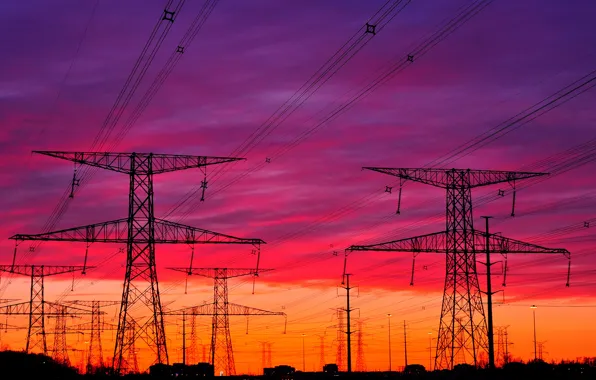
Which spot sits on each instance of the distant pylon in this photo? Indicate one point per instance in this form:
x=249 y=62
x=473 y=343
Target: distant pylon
x=502 y=356
x=321 y=352
x=266 y=354
x=360 y=363
x=192 y=355
x=541 y=351
x=132 y=358
x=95 y=328
x=60 y=348
x=37 y=308
x=222 y=354
x=341 y=340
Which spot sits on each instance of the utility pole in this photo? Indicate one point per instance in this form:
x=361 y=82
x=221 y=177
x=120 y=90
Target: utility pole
x=140 y=231
x=533 y=307
x=348 y=329
x=405 y=346
x=222 y=354
x=389 y=335
x=489 y=296
x=459 y=242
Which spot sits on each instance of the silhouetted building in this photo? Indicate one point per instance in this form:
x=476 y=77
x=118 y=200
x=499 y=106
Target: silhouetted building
x=284 y=372
x=331 y=368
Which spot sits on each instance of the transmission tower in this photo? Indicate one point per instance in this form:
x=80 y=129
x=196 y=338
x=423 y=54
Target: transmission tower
x=360 y=363
x=459 y=242
x=60 y=347
x=140 y=231
x=541 y=350
x=222 y=355
x=94 y=357
x=192 y=348
x=321 y=351
x=37 y=308
x=132 y=357
x=341 y=340
x=266 y=354
x=502 y=356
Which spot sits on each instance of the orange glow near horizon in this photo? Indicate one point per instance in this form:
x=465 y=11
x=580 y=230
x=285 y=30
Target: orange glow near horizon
x=420 y=311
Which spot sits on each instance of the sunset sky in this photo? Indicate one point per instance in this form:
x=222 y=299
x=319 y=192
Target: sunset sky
x=63 y=63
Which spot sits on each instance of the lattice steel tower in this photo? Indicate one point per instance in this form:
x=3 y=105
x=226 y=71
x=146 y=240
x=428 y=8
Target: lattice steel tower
x=140 y=231
x=221 y=353
x=37 y=308
x=459 y=242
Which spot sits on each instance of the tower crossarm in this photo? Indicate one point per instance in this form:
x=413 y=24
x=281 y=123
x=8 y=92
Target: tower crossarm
x=50 y=309
x=235 y=309
x=434 y=243
x=215 y=272
x=86 y=303
x=88 y=326
x=174 y=233
x=444 y=177
x=113 y=231
x=204 y=309
x=501 y=244
x=121 y=162
x=28 y=270
x=116 y=231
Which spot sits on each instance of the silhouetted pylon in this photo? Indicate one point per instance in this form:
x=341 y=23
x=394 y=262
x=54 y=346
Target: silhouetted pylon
x=341 y=341
x=321 y=352
x=464 y=340
x=222 y=354
x=95 y=328
x=140 y=231
x=266 y=354
x=37 y=308
x=192 y=355
x=502 y=356
x=60 y=348
x=360 y=363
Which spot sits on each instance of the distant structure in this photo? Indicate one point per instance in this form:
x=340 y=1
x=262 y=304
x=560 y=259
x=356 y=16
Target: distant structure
x=503 y=356
x=222 y=354
x=360 y=362
x=140 y=231
x=463 y=328
x=37 y=308
x=341 y=341
x=94 y=357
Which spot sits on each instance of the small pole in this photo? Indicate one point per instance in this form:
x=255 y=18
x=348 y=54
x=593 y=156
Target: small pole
x=405 y=345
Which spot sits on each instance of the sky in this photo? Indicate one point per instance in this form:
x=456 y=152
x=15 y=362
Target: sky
x=64 y=64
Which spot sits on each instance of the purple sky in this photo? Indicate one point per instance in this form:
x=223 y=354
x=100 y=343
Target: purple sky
x=250 y=58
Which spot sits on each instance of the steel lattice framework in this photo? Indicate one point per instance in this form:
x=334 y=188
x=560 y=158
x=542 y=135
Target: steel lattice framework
x=462 y=329
x=140 y=232
x=37 y=308
x=221 y=353
x=95 y=327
